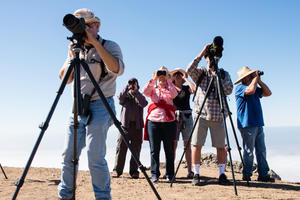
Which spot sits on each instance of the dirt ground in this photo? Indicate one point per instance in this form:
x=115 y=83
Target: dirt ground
x=41 y=183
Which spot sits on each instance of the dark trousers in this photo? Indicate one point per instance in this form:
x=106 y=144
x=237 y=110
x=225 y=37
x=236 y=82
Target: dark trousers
x=165 y=132
x=135 y=139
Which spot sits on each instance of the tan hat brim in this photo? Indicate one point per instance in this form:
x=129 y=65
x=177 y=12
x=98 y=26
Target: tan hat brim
x=244 y=76
x=89 y=21
x=178 y=70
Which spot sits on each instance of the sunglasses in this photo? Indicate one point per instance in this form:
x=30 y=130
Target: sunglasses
x=178 y=73
x=161 y=73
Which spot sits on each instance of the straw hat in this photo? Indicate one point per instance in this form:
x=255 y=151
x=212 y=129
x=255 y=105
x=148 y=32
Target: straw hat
x=87 y=15
x=178 y=70
x=243 y=73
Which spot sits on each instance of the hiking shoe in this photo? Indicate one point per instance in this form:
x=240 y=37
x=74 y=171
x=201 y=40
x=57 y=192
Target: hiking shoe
x=115 y=174
x=169 y=180
x=223 y=179
x=246 y=178
x=135 y=175
x=154 y=179
x=266 y=179
x=196 y=180
x=190 y=175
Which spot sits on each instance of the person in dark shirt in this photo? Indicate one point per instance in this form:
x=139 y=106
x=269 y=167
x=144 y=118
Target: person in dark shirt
x=183 y=112
x=133 y=103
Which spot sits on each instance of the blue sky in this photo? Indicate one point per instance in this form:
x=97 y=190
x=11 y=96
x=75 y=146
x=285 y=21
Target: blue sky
x=263 y=35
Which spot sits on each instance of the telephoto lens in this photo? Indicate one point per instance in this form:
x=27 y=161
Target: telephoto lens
x=73 y=24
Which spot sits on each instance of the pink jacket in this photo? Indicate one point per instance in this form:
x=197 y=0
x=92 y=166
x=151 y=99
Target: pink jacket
x=156 y=93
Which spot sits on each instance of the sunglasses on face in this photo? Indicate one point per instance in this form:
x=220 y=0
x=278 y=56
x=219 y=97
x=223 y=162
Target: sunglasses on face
x=178 y=73
x=161 y=73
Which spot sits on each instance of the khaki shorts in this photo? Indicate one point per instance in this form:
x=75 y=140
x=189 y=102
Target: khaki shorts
x=217 y=133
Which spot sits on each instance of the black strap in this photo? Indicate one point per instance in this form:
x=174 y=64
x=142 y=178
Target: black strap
x=103 y=71
x=201 y=77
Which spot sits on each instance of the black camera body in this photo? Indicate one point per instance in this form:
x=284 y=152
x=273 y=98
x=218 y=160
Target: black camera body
x=214 y=51
x=75 y=25
x=216 y=48
x=161 y=72
x=260 y=73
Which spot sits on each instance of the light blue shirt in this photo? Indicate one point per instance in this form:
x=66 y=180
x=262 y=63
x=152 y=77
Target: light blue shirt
x=108 y=83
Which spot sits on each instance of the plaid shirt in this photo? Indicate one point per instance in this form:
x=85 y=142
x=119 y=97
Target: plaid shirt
x=211 y=109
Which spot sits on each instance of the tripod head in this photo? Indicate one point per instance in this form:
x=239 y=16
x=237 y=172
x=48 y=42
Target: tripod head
x=78 y=42
x=77 y=27
x=214 y=61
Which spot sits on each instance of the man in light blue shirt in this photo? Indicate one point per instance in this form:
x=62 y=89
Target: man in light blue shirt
x=250 y=122
x=92 y=134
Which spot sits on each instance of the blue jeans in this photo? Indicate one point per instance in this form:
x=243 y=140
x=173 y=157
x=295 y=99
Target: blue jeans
x=165 y=132
x=94 y=137
x=254 y=137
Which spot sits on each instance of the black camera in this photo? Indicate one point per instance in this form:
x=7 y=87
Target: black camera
x=260 y=73
x=161 y=72
x=132 y=81
x=75 y=25
x=216 y=48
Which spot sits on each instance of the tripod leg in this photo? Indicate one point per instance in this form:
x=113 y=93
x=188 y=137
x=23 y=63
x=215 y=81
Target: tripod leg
x=3 y=172
x=235 y=137
x=189 y=140
x=77 y=110
x=43 y=128
x=118 y=125
x=221 y=97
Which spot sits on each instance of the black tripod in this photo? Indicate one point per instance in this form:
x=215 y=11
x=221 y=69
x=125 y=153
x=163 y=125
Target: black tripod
x=75 y=64
x=3 y=171
x=221 y=98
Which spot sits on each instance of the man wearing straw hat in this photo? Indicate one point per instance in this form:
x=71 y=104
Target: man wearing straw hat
x=250 y=121
x=105 y=60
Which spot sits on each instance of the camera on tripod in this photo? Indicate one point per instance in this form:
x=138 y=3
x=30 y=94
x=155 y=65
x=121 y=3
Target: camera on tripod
x=76 y=26
x=215 y=49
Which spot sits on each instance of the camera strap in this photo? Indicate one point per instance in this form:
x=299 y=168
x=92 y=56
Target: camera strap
x=103 y=72
x=201 y=77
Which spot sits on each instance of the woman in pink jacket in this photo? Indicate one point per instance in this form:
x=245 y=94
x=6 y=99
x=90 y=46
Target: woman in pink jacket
x=160 y=121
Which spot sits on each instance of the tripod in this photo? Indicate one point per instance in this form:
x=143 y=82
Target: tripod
x=75 y=64
x=3 y=171
x=222 y=99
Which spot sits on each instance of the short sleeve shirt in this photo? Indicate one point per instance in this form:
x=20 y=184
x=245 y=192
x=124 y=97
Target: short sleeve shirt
x=249 y=110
